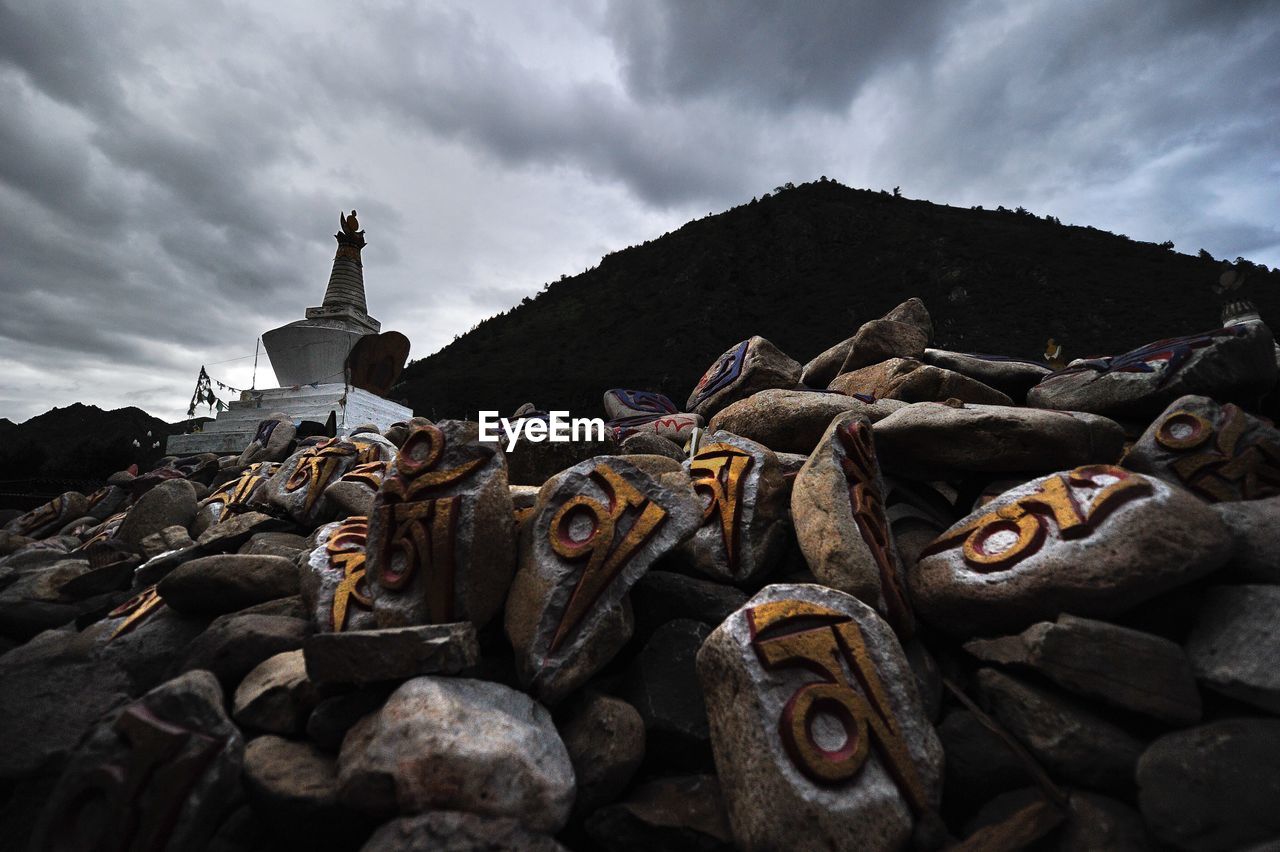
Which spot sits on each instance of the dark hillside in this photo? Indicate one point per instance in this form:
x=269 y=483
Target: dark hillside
x=804 y=267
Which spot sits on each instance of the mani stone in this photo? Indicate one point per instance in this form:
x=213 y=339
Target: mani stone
x=1094 y=541
x=838 y=508
x=1253 y=523
x=272 y=440
x=1216 y=451
x=596 y=529
x=1235 y=645
x=157 y=773
x=50 y=517
x=740 y=487
x=444 y=743
x=1010 y=376
x=335 y=585
x=792 y=421
x=227 y=582
x=1234 y=362
x=753 y=365
x=819 y=734
x=929 y=440
x=297 y=488
x=1213 y=787
x=397 y=653
x=442 y=536
x=1125 y=668
x=909 y=380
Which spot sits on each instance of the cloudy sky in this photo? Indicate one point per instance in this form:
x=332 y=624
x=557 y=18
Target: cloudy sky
x=171 y=173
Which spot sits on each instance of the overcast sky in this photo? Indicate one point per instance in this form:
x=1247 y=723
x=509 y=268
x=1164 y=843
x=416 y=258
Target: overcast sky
x=171 y=173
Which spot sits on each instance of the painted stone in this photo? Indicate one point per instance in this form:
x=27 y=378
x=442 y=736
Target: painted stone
x=676 y=427
x=107 y=501
x=237 y=495
x=751 y=366
x=157 y=773
x=355 y=491
x=652 y=444
x=929 y=440
x=297 y=488
x=744 y=509
x=272 y=440
x=1234 y=362
x=882 y=339
x=838 y=508
x=596 y=529
x=619 y=403
x=1012 y=376
x=1093 y=541
x=50 y=517
x=793 y=421
x=911 y=381
x=442 y=537
x=1217 y=451
x=819 y=734
x=335 y=586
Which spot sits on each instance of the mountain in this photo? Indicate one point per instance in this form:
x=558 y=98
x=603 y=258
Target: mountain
x=805 y=267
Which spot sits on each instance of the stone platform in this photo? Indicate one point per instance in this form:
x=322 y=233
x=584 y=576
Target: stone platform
x=233 y=428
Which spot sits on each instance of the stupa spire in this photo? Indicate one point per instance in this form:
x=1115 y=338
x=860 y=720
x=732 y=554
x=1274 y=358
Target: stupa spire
x=344 y=297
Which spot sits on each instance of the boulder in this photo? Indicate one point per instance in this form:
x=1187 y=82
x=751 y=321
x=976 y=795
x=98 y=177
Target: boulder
x=683 y=813
x=1253 y=525
x=360 y=657
x=1236 y=643
x=911 y=381
x=168 y=503
x=605 y=739
x=334 y=581
x=275 y=696
x=882 y=339
x=1013 y=377
x=749 y=367
x=213 y=585
x=793 y=421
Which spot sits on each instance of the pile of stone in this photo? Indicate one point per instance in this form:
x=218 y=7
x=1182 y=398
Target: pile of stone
x=897 y=597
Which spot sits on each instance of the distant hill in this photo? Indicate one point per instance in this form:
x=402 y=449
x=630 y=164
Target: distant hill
x=805 y=267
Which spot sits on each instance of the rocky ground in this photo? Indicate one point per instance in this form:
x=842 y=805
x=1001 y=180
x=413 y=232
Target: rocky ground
x=897 y=597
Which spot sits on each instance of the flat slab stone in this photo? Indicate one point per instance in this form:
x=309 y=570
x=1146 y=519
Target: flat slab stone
x=395 y=653
x=1235 y=645
x=793 y=421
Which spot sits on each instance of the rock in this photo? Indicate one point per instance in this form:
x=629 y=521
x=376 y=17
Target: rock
x=271 y=442
x=441 y=544
x=334 y=580
x=1253 y=524
x=826 y=365
x=794 y=420
x=233 y=644
x=674 y=427
x=978 y=764
x=456 y=743
x=1236 y=643
x=605 y=739
x=751 y=366
x=1011 y=376
x=157 y=773
x=1094 y=541
x=49 y=518
x=144 y=638
x=675 y=814
x=909 y=380
x=274 y=544
x=355 y=490
x=165 y=540
x=107 y=501
x=1217 y=451
x=1213 y=787
x=1236 y=362
x=1070 y=741
x=793 y=735
x=929 y=440
x=333 y=717
x=596 y=529
x=360 y=657
x=744 y=509
x=168 y=503
x=455 y=831
x=297 y=488
x=1125 y=668
x=838 y=508
x=652 y=444
x=275 y=696
x=913 y=312
x=531 y=463
x=228 y=536
x=662 y=684
x=236 y=495
x=620 y=402
x=297 y=784
x=1100 y=822
x=662 y=596
x=227 y=582
x=882 y=339
x=1012 y=822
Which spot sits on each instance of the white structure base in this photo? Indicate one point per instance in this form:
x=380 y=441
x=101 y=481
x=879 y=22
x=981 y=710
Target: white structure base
x=235 y=427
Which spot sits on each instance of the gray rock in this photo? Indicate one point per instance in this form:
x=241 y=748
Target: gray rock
x=792 y=752
x=333 y=717
x=157 y=773
x=297 y=488
x=662 y=684
x=1009 y=564
x=169 y=538
x=272 y=440
x=662 y=596
x=47 y=519
x=294 y=787
x=1213 y=787
x=913 y=312
x=226 y=582
x=838 y=508
x=596 y=529
x=683 y=813
x=648 y=443
x=1100 y=822
x=1072 y=742
x=749 y=367
x=455 y=743
x=882 y=339
x=171 y=502
x=228 y=536
x=1125 y=668
x=1010 y=376
x=361 y=657
x=456 y=831
x=233 y=644
x=441 y=544
x=929 y=440
x=274 y=544
x=1216 y=451
x=794 y=421
x=605 y=739
x=276 y=695
x=909 y=380
x=335 y=580
x=1236 y=362
x=978 y=764
x=1253 y=525
x=1235 y=645
x=531 y=463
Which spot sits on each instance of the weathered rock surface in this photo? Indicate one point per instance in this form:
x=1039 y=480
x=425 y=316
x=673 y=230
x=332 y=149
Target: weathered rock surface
x=213 y=585
x=169 y=503
x=234 y=644
x=1010 y=376
x=911 y=381
x=1235 y=645
x=275 y=696
x=793 y=421
x=605 y=739
x=360 y=657
x=1253 y=525
x=749 y=367
x=457 y=831
x=680 y=813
